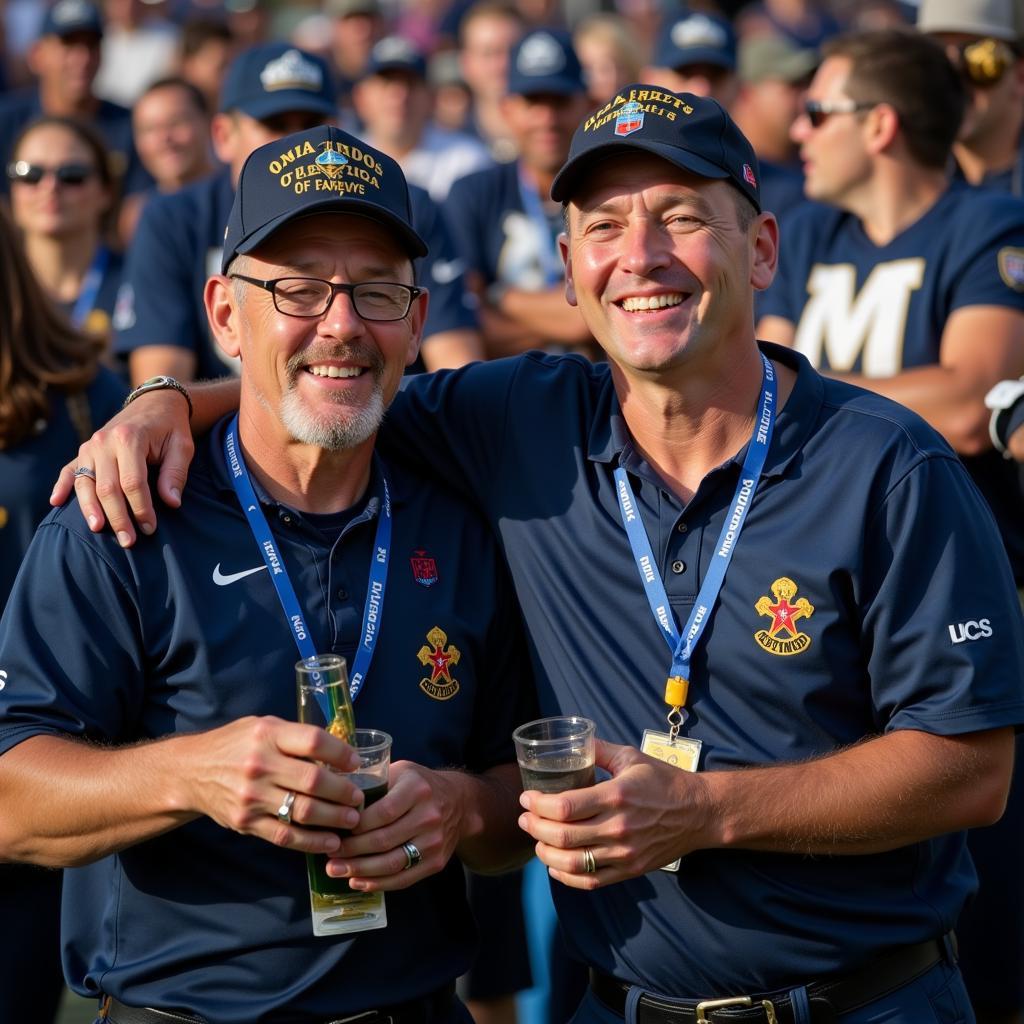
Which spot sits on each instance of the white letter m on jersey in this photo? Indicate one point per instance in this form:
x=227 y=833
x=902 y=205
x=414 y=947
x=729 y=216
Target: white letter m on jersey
x=841 y=328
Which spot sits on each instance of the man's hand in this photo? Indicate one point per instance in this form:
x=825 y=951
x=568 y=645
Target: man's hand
x=154 y=429
x=422 y=807
x=1015 y=445
x=645 y=816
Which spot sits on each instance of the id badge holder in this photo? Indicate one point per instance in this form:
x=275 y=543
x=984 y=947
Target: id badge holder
x=682 y=752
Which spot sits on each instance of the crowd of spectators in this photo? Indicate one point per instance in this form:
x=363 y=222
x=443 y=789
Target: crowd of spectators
x=898 y=184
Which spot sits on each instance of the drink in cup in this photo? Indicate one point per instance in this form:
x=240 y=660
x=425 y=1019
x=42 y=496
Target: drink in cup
x=556 y=754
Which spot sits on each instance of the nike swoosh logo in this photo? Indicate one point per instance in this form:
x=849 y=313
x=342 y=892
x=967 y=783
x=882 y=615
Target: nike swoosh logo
x=224 y=579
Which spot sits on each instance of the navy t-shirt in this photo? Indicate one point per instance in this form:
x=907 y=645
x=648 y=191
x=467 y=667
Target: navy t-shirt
x=876 y=310
x=185 y=632
x=28 y=469
x=869 y=514
x=179 y=243
x=113 y=122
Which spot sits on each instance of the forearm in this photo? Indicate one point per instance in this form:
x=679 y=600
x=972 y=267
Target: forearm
x=546 y=314
x=68 y=803
x=885 y=793
x=490 y=839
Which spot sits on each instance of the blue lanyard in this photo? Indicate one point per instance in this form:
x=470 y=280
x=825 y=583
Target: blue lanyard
x=90 y=287
x=550 y=261
x=374 y=607
x=682 y=645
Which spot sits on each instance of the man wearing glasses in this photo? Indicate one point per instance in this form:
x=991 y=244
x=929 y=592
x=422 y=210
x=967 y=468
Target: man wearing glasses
x=151 y=741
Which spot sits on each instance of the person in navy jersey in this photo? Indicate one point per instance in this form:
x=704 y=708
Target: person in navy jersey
x=504 y=225
x=895 y=281
x=149 y=742
x=845 y=646
x=53 y=394
x=65 y=59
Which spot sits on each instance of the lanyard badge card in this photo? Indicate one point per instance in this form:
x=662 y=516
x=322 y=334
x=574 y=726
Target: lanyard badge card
x=680 y=751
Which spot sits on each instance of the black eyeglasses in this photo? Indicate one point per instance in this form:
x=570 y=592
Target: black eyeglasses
x=311 y=296
x=32 y=174
x=985 y=61
x=819 y=112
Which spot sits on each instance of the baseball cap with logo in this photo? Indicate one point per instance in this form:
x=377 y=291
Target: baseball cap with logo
x=992 y=19
x=691 y=132
x=696 y=39
x=395 y=53
x=321 y=170
x=277 y=78
x=544 y=61
x=67 y=17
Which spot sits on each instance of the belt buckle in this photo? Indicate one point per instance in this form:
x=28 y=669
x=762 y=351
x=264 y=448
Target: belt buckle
x=721 y=1004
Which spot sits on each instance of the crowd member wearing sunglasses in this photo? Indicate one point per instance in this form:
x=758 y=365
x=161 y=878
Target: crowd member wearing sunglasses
x=912 y=285
x=63 y=200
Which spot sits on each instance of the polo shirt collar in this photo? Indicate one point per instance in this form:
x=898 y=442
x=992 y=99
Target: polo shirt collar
x=610 y=440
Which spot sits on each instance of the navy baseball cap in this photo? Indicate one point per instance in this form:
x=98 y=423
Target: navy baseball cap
x=696 y=39
x=395 y=53
x=67 y=17
x=692 y=132
x=320 y=170
x=277 y=78
x=544 y=61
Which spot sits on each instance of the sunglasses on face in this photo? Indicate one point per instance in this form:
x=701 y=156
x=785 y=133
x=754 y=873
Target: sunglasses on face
x=985 y=61
x=32 y=174
x=818 y=112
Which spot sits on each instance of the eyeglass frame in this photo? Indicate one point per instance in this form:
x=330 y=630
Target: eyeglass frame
x=347 y=289
x=21 y=170
x=818 y=112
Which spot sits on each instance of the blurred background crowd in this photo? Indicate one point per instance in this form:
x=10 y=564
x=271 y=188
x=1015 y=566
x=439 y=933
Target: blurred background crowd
x=124 y=126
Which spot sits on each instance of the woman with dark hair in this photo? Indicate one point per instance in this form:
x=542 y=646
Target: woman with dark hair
x=53 y=392
x=64 y=200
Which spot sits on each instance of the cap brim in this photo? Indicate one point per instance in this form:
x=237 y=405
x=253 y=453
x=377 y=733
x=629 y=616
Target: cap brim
x=701 y=55
x=547 y=87
x=284 y=102
x=408 y=238
x=568 y=177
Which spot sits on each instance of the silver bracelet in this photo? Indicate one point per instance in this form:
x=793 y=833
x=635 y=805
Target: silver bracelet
x=159 y=384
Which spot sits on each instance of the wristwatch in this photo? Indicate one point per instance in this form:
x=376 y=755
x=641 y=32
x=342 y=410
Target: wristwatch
x=159 y=384
x=1003 y=399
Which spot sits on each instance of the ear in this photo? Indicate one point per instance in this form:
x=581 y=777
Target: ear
x=223 y=314
x=764 y=251
x=417 y=319
x=881 y=127
x=222 y=132
x=570 y=284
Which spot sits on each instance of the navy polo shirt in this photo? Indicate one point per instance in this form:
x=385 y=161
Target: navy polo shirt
x=113 y=122
x=877 y=310
x=185 y=632
x=28 y=469
x=873 y=519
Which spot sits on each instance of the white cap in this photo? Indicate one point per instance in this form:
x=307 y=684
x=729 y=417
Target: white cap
x=996 y=19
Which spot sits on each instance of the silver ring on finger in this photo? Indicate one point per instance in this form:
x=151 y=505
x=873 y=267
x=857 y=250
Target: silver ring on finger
x=589 y=863
x=85 y=471
x=412 y=855
x=284 y=812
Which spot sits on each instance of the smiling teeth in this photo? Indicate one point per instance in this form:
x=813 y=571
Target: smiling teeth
x=639 y=302
x=335 y=371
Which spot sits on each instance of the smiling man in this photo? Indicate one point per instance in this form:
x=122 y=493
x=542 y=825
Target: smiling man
x=150 y=743
x=694 y=581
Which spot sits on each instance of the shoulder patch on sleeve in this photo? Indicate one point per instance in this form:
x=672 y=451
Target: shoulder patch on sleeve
x=1011 y=267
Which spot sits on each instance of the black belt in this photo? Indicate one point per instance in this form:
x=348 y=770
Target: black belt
x=828 y=999
x=427 y=1010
